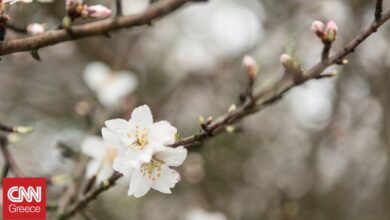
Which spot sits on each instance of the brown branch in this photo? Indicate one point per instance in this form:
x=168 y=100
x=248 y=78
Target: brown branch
x=9 y=160
x=118 y=4
x=155 y=11
x=261 y=100
x=83 y=202
x=378 y=10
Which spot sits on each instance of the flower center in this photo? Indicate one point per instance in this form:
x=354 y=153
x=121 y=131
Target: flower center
x=152 y=169
x=141 y=136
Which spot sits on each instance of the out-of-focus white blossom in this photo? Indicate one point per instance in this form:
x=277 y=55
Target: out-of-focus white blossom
x=35 y=29
x=143 y=152
x=200 y=214
x=102 y=156
x=110 y=87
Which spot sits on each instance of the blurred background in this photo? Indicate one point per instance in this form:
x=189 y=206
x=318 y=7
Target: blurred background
x=320 y=153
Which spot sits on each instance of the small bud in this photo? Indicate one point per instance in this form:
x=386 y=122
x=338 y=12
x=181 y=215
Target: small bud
x=201 y=120
x=209 y=119
x=35 y=29
x=287 y=61
x=98 y=11
x=23 y=130
x=344 y=61
x=292 y=67
x=250 y=65
x=230 y=129
x=67 y=22
x=331 y=30
x=334 y=73
x=318 y=28
x=232 y=108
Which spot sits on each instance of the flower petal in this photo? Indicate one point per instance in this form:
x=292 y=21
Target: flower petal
x=167 y=180
x=162 y=132
x=137 y=157
x=118 y=125
x=92 y=168
x=141 y=115
x=121 y=164
x=139 y=184
x=111 y=137
x=172 y=156
x=104 y=173
x=94 y=147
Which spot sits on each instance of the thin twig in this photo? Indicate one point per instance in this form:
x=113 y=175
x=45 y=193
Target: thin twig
x=378 y=10
x=119 y=9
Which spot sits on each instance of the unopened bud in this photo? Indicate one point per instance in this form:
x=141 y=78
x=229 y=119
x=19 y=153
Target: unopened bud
x=201 y=120
x=344 y=61
x=331 y=30
x=209 y=119
x=98 y=11
x=230 y=129
x=250 y=65
x=232 y=108
x=318 y=28
x=35 y=29
x=286 y=61
x=23 y=130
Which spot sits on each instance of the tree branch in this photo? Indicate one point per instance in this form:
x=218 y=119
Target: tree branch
x=155 y=11
x=261 y=100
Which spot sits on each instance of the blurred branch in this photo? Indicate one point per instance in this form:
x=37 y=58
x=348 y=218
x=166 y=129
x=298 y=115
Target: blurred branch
x=259 y=101
x=9 y=160
x=378 y=10
x=274 y=93
x=16 y=28
x=118 y=4
x=72 y=191
x=154 y=11
x=84 y=201
x=7 y=128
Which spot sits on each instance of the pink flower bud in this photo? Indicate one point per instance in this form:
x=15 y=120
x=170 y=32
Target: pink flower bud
x=35 y=29
x=330 y=32
x=331 y=25
x=98 y=11
x=318 y=28
x=250 y=65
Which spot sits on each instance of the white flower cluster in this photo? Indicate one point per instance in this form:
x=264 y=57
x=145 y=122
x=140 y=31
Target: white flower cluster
x=143 y=153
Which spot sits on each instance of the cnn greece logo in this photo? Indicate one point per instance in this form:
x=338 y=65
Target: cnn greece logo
x=28 y=194
x=24 y=198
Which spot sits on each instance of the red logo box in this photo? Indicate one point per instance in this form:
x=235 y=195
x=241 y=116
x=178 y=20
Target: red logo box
x=24 y=198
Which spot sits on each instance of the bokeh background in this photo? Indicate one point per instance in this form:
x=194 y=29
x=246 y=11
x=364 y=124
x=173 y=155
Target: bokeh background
x=320 y=153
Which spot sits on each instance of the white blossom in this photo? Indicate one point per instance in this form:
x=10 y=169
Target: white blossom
x=110 y=87
x=102 y=156
x=156 y=174
x=144 y=155
x=200 y=214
